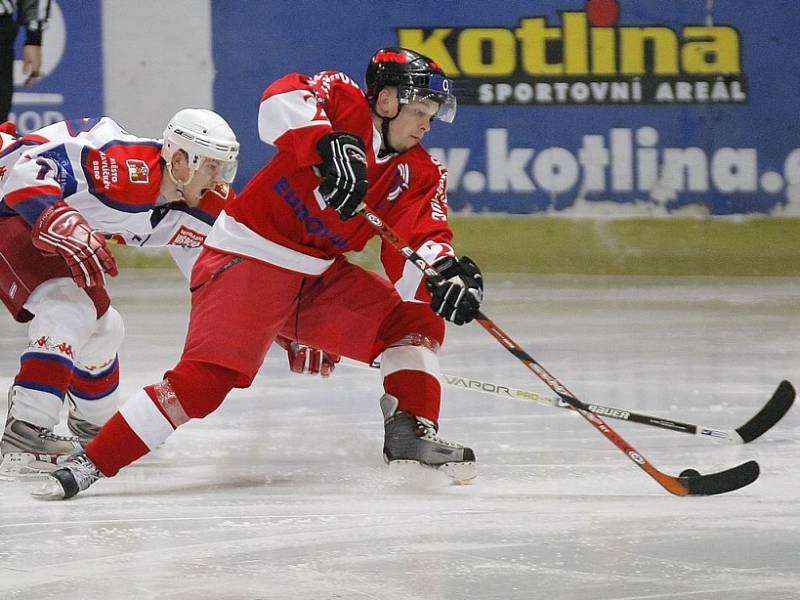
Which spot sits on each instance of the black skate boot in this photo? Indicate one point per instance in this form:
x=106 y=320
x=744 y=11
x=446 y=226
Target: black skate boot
x=411 y=439
x=74 y=476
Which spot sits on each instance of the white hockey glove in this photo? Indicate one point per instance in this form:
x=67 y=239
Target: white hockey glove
x=344 y=173
x=308 y=360
x=62 y=230
x=457 y=299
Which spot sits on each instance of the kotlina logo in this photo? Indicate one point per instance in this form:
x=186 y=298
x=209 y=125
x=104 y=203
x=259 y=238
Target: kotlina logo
x=588 y=56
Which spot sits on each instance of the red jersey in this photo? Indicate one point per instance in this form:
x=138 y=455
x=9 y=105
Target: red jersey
x=280 y=217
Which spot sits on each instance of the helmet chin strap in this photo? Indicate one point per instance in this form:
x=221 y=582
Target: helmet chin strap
x=179 y=185
x=386 y=146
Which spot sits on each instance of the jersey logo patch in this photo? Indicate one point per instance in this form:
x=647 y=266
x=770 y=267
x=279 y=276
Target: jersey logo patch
x=400 y=182
x=319 y=114
x=187 y=238
x=138 y=171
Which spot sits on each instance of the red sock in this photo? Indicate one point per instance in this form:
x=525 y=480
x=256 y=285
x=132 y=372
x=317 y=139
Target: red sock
x=115 y=446
x=419 y=393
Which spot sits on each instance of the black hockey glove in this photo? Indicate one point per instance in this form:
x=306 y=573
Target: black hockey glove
x=344 y=173
x=458 y=298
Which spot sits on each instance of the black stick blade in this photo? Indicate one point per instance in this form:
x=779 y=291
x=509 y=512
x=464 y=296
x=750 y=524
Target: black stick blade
x=722 y=482
x=772 y=412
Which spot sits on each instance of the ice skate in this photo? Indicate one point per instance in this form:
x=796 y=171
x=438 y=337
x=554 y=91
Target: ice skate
x=411 y=439
x=74 y=476
x=29 y=450
x=82 y=429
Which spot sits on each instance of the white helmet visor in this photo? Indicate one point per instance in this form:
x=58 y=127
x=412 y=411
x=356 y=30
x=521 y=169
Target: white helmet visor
x=219 y=170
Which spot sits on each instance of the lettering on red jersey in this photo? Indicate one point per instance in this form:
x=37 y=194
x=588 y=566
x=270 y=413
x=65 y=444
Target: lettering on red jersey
x=439 y=200
x=105 y=170
x=187 y=238
x=321 y=82
x=138 y=171
x=122 y=175
x=319 y=115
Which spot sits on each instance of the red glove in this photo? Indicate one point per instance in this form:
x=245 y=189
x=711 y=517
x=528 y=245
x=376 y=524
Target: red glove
x=62 y=230
x=305 y=359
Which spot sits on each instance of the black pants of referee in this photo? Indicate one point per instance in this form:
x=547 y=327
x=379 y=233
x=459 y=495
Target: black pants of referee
x=8 y=34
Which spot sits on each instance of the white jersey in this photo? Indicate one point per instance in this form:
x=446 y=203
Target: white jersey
x=111 y=177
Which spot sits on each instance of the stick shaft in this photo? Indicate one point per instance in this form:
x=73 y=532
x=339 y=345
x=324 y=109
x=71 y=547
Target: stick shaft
x=671 y=484
x=501 y=390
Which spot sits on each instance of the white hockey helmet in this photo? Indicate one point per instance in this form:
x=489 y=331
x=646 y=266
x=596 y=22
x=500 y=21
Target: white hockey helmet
x=202 y=134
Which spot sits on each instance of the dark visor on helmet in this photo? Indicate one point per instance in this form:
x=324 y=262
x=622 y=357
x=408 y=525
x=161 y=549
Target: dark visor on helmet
x=439 y=90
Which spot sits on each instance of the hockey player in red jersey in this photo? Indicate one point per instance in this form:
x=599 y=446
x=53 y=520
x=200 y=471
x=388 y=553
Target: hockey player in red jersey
x=274 y=265
x=65 y=188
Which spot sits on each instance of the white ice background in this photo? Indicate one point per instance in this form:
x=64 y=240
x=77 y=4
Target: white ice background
x=282 y=493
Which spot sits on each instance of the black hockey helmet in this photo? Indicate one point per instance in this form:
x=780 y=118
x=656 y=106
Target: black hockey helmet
x=416 y=77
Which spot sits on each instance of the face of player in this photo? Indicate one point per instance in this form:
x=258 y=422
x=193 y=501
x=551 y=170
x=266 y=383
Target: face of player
x=208 y=176
x=411 y=125
x=412 y=122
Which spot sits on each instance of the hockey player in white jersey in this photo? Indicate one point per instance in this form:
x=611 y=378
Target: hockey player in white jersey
x=66 y=189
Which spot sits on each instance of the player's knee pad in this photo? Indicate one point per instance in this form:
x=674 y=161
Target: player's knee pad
x=63 y=314
x=410 y=338
x=63 y=322
x=410 y=371
x=101 y=349
x=414 y=322
x=111 y=329
x=94 y=386
x=201 y=387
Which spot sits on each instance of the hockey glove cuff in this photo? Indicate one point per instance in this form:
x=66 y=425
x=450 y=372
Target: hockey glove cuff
x=308 y=360
x=344 y=173
x=62 y=230
x=458 y=298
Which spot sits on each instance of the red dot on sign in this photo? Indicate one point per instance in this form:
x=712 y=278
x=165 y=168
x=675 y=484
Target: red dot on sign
x=602 y=13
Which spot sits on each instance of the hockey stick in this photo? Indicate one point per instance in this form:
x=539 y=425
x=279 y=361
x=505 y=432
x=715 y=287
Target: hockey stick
x=687 y=485
x=766 y=418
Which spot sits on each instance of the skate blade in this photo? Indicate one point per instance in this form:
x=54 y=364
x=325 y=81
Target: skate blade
x=427 y=476
x=462 y=473
x=23 y=465
x=49 y=490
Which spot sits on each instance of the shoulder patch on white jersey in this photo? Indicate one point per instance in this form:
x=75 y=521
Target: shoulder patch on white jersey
x=186 y=237
x=138 y=170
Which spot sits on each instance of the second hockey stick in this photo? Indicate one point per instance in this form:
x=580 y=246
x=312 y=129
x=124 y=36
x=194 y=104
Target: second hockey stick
x=766 y=418
x=687 y=485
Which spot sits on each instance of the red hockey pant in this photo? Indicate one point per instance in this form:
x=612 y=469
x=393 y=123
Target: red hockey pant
x=240 y=305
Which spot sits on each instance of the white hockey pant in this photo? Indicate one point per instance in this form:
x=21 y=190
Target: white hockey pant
x=66 y=326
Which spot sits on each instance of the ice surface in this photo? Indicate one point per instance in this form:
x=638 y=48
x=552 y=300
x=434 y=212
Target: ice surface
x=282 y=494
